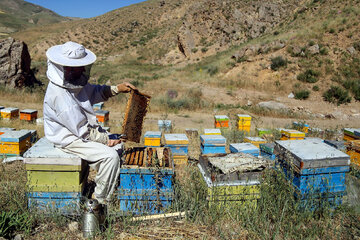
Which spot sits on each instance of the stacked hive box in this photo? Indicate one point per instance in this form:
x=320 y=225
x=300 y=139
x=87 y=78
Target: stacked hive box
x=178 y=143
x=244 y=122
x=152 y=138
x=287 y=134
x=98 y=106
x=316 y=170
x=232 y=179
x=9 y=113
x=212 y=144
x=14 y=143
x=146 y=188
x=263 y=131
x=213 y=131
x=254 y=140
x=28 y=115
x=304 y=127
x=353 y=150
x=102 y=116
x=164 y=125
x=248 y=148
x=221 y=121
x=267 y=150
x=349 y=134
x=55 y=180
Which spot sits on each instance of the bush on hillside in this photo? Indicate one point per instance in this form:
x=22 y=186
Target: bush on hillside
x=278 y=62
x=354 y=87
x=302 y=94
x=309 y=76
x=338 y=95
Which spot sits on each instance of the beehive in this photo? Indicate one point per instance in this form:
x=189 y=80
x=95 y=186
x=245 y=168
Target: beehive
x=304 y=127
x=349 y=134
x=178 y=143
x=353 y=150
x=55 y=179
x=9 y=113
x=152 y=138
x=98 y=106
x=102 y=116
x=221 y=121
x=28 y=114
x=3 y=130
x=316 y=170
x=340 y=145
x=248 y=148
x=14 y=143
x=232 y=179
x=145 y=190
x=34 y=135
x=288 y=134
x=263 y=131
x=267 y=150
x=212 y=131
x=164 y=125
x=254 y=140
x=212 y=144
x=244 y=122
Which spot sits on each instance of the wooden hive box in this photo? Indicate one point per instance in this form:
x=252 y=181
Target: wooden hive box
x=102 y=116
x=289 y=134
x=9 y=113
x=267 y=150
x=221 y=121
x=238 y=185
x=28 y=114
x=213 y=144
x=14 y=143
x=152 y=138
x=255 y=140
x=349 y=134
x=178 y=143
x=212 y=131
x=244 y=122
x=353 y=150
x=55 y=179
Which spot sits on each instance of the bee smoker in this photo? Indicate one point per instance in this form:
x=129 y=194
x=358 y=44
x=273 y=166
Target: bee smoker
x=93 y=217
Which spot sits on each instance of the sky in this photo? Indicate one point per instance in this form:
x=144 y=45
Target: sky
x=83 y=8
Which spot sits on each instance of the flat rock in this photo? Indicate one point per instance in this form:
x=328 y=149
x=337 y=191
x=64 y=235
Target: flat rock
x=272 y=105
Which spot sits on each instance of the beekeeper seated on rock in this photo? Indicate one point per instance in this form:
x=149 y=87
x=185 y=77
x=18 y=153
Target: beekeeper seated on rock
x=69 y=119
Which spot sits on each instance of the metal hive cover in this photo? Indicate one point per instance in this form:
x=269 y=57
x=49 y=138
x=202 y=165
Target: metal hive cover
x=244 y=146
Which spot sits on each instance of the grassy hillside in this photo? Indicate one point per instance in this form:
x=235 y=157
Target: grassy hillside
x=18 y=15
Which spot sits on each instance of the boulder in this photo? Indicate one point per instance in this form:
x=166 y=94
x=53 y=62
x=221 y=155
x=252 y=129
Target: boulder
x=15 y=64
x=272 y=105
x=315 y=49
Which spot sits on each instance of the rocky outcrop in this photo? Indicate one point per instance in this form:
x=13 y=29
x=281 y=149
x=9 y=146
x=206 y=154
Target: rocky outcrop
x=253 y=50
x=15 y=64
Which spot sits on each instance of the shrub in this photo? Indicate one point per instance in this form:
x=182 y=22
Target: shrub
x=309 y=76
x=316 y=88
x=204 y=50
x=212 y=70
x=336 y=94
x=194 y=50
x=356 y=45
x=354 y=87
x=302 y=94
x=278 y=62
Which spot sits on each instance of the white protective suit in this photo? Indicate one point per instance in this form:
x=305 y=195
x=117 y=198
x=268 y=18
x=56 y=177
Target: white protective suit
x=70 y=123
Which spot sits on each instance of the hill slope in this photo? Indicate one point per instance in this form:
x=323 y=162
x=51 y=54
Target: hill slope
x=18 y=15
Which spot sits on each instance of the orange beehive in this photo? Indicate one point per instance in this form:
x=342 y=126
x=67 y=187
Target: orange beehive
x=353 y=150
x=102 y=116
x=28 y=115
x=221 y=121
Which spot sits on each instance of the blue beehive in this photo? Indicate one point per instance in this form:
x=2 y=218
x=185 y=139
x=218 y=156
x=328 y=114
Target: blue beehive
x=267 y=150
x=98 y=106
x=145 y=190
x=178 y=143
x=213 y=144
x=245 y=148
x=316 y=170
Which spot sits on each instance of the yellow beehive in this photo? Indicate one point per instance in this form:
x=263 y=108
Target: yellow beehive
x=244 y=122
x=152 y=139
x=255 y=140
x=14 y=143
x=288 y=134
x=353 y=150
x=212 y=131
x=9 y=113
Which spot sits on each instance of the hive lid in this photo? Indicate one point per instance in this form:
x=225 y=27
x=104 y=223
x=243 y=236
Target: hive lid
x=212 y=139
x=6 y=129
x=14 y=136
x=210 y=131
x=311 y=153
x=245 y=116
x=300 y=124
x=221 y=117
x=9 y=110
x=164 y=122
x=255 y=139
x=152 y=134
x=44 y=152
x=176 y=138
x=244 y=146
x=28 y=111
x=101 y=112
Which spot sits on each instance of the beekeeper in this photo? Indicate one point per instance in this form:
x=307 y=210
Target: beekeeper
x=69 y=119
